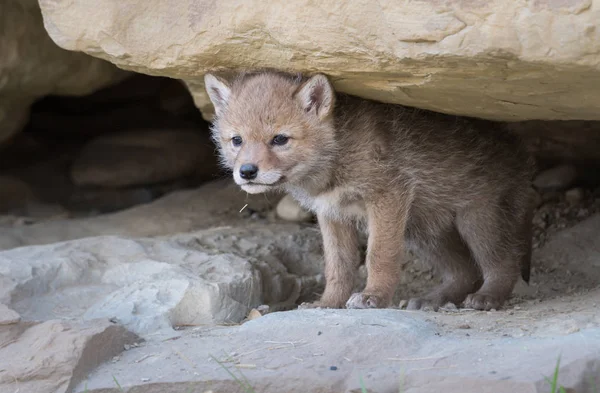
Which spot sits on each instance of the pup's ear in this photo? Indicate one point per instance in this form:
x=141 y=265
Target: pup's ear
x=219 y=92
x=316 y=96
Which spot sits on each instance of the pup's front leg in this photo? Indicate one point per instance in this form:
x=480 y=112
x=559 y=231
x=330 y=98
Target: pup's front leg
x=342 y=258
x=387 y=217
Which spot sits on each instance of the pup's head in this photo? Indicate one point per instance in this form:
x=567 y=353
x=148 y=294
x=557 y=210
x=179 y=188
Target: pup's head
x=273 y=129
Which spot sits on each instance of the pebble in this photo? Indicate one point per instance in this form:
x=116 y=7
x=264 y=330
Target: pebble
x=288 y=209
x=333 y=368
x=8 y=316
x=574 y=195
x=557 y=178
x=254 y=314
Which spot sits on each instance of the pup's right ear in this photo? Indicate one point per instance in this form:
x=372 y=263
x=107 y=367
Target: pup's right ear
x=316 y=96
x=219 y=92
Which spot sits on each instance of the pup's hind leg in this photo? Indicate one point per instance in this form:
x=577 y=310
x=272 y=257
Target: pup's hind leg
x=497 y=235
x=451 y=258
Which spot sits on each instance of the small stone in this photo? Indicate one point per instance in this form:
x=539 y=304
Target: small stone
x=290 y=210
x=145 y=379
x=263 y=309
x=333 y=368
x=8 y=316
x=127 y=347
x=572 y=329
x=556 y=178
x=574 y=195
x=464 y=326
x=253 y=314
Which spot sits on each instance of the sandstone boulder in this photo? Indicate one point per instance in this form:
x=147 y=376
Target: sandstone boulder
x=32 y=66
x=494 y=59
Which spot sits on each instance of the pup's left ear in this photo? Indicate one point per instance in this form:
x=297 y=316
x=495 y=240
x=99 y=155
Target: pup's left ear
x=219 y=92
x=316 y=96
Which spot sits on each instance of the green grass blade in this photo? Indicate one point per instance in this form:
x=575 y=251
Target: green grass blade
x=246 y=386
x=117 y=382
x=363 y=389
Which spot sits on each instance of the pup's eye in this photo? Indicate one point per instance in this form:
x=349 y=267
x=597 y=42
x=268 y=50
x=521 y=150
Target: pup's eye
x=280 y=139
x=236 y=140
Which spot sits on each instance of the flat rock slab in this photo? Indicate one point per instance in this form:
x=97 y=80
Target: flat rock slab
x=150 y=285
x=54 y=356
x=212 y=205
x=330 y=351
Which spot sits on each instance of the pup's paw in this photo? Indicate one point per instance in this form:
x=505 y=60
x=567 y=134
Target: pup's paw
x=323 y=303
x=483 y=301
x=310 y=305
x=367 y=300
x=424 y=304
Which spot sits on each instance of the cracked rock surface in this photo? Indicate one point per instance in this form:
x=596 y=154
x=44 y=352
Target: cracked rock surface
x=188 y=286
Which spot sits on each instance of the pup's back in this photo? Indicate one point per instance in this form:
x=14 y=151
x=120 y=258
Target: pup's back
x=449 y=158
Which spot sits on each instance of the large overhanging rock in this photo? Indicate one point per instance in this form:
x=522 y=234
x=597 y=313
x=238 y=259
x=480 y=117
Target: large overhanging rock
x=497 y=59
x=32 y=66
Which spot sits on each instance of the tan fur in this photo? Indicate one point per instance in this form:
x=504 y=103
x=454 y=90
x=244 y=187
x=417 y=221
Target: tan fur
x=454 y=190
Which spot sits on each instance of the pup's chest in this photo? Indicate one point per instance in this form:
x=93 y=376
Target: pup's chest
x=339 y=203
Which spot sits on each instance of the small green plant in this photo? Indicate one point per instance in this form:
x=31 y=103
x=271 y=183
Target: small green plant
x=401 y=383
x=363 y=389
x=554 y=381
x=244 y=384
x=593 y=384
x=118 y=385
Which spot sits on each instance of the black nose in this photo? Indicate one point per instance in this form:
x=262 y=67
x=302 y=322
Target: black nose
x=248 y=171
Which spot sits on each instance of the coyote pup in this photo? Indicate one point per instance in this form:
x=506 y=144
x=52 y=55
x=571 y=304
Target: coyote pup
x=454 y=190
